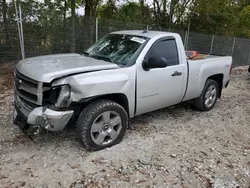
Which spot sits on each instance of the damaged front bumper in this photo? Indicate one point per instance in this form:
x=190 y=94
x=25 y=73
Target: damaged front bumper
x=34 y=119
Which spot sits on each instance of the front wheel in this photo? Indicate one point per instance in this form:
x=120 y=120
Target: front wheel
x=208 y=97
x=102 y=124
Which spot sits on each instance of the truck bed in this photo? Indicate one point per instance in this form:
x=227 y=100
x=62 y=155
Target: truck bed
x=205 y=56
x=200 y=69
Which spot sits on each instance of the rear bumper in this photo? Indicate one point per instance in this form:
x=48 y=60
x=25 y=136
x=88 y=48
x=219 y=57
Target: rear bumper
x=41 y=117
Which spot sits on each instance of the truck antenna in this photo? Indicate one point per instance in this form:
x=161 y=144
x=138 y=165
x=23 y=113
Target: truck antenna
x=146 y=30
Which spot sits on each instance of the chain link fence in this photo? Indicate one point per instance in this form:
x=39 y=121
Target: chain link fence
x=238 y=48
x=57 y=38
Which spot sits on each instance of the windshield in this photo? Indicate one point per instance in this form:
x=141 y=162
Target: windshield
x=116 y=48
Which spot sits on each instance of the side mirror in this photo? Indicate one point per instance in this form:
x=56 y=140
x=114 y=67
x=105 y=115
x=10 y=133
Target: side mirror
x=154 y=62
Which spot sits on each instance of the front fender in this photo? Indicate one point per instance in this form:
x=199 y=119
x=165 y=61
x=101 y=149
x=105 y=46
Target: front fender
x=106 y=82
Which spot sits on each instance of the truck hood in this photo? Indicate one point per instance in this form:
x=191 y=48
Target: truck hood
x=50 y=67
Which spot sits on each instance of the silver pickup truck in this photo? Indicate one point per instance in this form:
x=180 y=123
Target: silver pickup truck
x=122 y=75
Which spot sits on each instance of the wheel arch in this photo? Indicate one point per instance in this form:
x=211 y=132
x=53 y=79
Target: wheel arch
x=119 y=98
x=219 y=79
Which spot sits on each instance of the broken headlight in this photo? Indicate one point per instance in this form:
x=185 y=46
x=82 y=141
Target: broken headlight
x=63 y=99
x=58 y=97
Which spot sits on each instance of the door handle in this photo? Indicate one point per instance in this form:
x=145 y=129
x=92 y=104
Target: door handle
x=176 y=73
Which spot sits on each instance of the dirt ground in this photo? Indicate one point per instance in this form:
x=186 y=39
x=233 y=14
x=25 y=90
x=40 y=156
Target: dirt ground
x=173 y=147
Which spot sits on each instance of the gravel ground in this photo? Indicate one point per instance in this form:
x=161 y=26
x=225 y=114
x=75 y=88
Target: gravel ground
x=173 y=147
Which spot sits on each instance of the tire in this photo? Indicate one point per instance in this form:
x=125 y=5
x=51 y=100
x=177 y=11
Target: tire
x=95 y=131
x=200 y=103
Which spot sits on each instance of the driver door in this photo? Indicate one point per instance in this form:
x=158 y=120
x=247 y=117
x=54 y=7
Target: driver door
x=160 y=87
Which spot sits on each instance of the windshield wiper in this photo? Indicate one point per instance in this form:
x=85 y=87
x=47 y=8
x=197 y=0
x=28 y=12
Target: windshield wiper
x=96 y=56
x=86 y=53
x=102 y=58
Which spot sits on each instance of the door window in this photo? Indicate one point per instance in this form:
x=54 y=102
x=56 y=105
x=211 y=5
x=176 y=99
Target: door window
x=166 y=49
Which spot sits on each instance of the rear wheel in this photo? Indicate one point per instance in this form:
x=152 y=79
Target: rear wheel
x=102 y=124
x=208 y=97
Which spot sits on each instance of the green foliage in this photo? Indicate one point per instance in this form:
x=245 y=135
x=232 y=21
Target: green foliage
x=127 y=12
x=108 y=10
x=130 y=12
x=215 y=16
x=244 y=22
x=48 y=26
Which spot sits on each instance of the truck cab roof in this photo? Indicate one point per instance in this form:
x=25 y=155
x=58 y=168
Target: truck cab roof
x=144 y=33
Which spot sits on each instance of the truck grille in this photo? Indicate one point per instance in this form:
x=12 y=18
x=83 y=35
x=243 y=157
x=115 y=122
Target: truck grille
x=28 y=89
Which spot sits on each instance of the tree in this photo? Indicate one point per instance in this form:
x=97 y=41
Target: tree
x=142 y=6
x=213 y=16
x=157 y=13
x=49 y=28
x=73 y=26
x=173 y=3
x=130 y=12
x=109 y=10
x=91 y=7
x=5 y=23
x=244 y=22
x=89 y=20
x=181 y=10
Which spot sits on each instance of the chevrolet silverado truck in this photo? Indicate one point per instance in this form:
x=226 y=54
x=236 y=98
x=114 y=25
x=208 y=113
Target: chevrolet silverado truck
x=122 y=75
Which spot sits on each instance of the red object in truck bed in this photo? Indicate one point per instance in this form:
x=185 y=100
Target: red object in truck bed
x=191 y=54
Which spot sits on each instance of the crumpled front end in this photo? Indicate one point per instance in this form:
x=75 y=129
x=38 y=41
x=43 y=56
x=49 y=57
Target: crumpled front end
x=49 y=119
x=40 y=106
x=32 y=120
